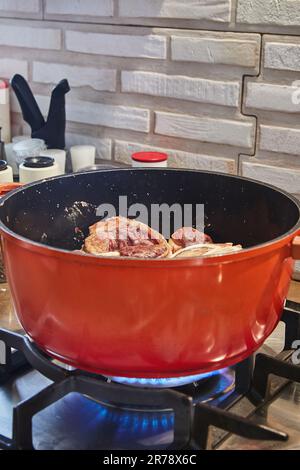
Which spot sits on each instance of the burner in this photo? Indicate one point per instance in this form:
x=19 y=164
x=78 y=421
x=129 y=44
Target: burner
x=214 y=389
x=171 y=382
x=203 y=388
x=105 y=427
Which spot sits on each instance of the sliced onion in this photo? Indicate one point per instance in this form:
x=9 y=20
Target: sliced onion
x=205 y=250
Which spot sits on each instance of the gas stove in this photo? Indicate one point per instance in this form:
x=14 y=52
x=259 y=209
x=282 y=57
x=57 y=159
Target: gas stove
x=253 y=405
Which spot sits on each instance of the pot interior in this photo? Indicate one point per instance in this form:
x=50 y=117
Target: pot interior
x=58 y=212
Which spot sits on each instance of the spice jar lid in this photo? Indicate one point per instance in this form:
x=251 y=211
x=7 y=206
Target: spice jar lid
x=3 y=84
x=3 y=165
x=38 y=162
x=149 y=157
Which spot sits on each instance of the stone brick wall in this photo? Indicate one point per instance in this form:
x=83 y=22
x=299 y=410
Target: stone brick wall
x=211 y=81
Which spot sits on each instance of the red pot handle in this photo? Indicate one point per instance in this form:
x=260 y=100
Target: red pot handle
x=7 y=187
x=296 y=248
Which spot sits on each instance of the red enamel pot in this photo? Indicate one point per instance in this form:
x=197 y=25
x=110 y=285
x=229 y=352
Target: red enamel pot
x=149 y=318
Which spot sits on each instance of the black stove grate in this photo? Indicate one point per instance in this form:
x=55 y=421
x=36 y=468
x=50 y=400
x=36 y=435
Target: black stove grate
x=191 y=422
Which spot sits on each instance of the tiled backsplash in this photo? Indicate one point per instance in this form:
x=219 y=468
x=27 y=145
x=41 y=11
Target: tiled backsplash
x=213 y=82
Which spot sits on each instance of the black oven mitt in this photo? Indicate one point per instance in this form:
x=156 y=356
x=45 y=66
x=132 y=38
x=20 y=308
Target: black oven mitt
x=51 y=131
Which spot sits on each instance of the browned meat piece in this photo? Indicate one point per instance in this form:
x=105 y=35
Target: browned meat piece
x=95 y=245
x=144 y=251
x=102 y=238
x=187 y=236
x=127 y=237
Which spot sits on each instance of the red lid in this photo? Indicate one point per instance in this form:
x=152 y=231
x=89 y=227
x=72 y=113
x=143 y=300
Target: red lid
x=149 y=157
x=3 y=84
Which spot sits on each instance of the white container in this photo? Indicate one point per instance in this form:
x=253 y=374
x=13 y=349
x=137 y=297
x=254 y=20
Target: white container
x=6 y=173
x=149 y=159
x=58 y=155
x=4 y=111
x=28 y=148
x=30 y=171
x=82 y=156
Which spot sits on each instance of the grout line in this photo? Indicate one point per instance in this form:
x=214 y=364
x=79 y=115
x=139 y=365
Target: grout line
x=243 y=113
x=113 y=150
x=118 y=81
x=152 y=120
x=212 y=28
x=30 y=70
x=233 y=15
x=43 y=5
x=116 y=9
x=169 y=49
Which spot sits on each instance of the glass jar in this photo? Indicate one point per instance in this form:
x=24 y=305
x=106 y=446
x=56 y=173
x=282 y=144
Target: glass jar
x=28 y=148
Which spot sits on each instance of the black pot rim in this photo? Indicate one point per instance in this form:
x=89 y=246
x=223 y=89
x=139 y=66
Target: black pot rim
x=254 y=250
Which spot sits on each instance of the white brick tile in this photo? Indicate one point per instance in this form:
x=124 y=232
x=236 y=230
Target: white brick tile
x=8 y=67
x=86 y=112
x=120 y=45
x=267 y=96
x=287 y=179
x=26 y=36
x=181 y=87
x=282 y=56
x=280 y=139
x=270 y=12
x=103 y=146
x=80 y=7
x=177 y=158
x=244 y=53
x=20 y=6
x=220 y=131
x=213 y=10
x=99 y=79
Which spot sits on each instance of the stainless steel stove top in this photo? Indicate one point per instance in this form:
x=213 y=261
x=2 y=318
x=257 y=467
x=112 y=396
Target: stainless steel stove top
x=283 y=413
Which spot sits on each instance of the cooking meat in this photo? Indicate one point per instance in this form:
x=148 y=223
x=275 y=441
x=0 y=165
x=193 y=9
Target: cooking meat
x=119 y=236
x=125 y=237
x=187 y=236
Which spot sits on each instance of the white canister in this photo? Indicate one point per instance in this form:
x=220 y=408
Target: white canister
x=149 y=159
x=28 y=148
x=38 y=168
x=58 y=155
x=82 y=156
x=6 y=173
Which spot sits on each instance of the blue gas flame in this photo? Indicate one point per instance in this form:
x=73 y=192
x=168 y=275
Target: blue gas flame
x=165 y=382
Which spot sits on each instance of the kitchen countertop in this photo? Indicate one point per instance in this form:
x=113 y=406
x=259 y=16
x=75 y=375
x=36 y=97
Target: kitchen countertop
x=294 y=292
x=9 y=321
